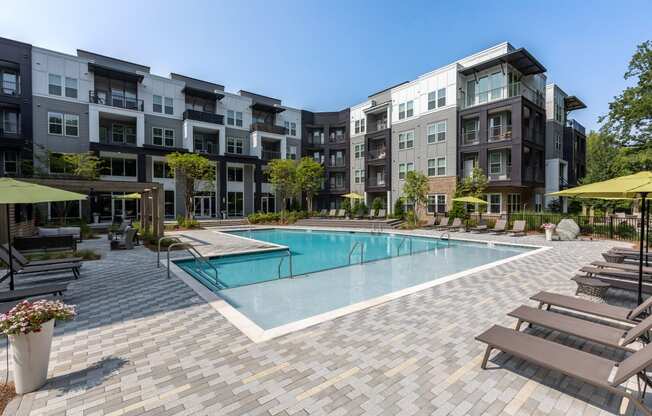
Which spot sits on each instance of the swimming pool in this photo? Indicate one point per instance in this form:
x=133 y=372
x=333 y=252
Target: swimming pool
x=258 y=286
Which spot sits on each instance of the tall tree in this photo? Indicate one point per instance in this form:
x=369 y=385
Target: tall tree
x=191 y=168
x=283 y=177
x=474 y=185
x=415 y=190
x=310 y=176
x=83 y=165
x=630 y=114
x=603 y=158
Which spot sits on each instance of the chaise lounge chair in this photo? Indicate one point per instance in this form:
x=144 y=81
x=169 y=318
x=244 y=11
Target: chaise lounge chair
x=481 y=228
x=609 y=336
x=599 y=310
x=381 y=213
x=443 y=222
x=518 y=229
x=23 y=261
x=456 y=225
x=430 y=222
x=13 y=295
x=323 y=213
x=592 y=369
x=42 y=268
x=332 y=213
x=610 y=272
x=621 y=266
x=499 y=227
x=341 y=213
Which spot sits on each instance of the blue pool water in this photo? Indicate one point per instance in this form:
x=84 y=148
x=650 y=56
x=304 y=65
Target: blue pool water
x=258 y=284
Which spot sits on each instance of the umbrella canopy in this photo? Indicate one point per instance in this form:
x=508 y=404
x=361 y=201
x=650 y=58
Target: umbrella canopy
x=353 y=195
x=135 y=195
x=630 y=186
x=470 y=200
x=19 y=192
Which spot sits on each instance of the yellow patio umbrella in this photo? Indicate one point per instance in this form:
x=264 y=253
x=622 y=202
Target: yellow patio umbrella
x=630 y=186
x=135 y=195
x=19 y=192
x=470 y=200
x=353 y=195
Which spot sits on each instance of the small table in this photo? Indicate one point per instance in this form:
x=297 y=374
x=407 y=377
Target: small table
x=591 y=288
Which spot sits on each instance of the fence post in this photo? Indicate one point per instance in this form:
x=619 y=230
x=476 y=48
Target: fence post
x=611 y=227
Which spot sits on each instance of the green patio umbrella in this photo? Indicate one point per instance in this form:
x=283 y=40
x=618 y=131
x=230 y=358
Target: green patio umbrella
x=470 y=200
x=19 y=192
x=353 y=195
x=630 y=186
x=135 y=195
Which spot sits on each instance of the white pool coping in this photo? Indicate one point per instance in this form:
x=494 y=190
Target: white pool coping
x=257 y=334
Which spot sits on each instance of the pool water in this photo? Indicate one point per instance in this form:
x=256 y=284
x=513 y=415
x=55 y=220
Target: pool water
x=258 y=284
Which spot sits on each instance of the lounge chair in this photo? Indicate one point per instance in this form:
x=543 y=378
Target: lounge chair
x=323 y=213
x=13 y=295
x=630 y=253
x=372 y=214
x=443 y=222
x=457 y=224
x=616 y=338
x=120 y=231
x=480 y=228
x=600 y=310
x=499 y=227
x=126 y=242
x=341 y=213
x=381 y=213
x=23 y=261
x=43 y=268
x=600 y=372
x=518 y=229
x=617 y=273
x=628 y=267
x=332 y=213
x=430 y=222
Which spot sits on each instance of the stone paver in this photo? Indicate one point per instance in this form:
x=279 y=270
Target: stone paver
x=145 y=344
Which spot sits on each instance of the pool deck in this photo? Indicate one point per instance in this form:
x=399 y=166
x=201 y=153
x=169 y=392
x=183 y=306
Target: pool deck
x=147 y=345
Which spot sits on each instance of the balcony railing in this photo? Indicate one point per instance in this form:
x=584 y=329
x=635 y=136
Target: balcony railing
x=376 y=182
x=337 y=139
x=270 y=154
x=203 y=116
x=337 y=163
x=9 y=88
x=377 y=154
x=470 y=137
x=505 y=174
x=498 y=133
x=269 y=128
x=336 y=187
x=13 y=132
x=117 y=101
x=316 y=140
x=508 y=91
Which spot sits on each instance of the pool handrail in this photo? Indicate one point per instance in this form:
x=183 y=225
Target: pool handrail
x=398 y=250
x=357 y=244
x=448 y=237
x=199 y=258
x=281 y=262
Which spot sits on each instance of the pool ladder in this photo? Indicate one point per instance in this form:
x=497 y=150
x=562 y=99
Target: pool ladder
x=377 y=228
x=197 y=256
x=289 y=256
x=398 y=250
x=357 y=244
x=448 y=237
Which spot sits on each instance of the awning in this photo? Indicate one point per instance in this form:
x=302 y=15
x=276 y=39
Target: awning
x=520 y=59
x=267 y=107
x=573 y=103
x=209 y=95
x=110 y=72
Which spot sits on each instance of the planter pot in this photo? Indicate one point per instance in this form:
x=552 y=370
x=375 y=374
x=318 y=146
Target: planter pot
x=31 y=354
x=549 y=232
x=96 y=218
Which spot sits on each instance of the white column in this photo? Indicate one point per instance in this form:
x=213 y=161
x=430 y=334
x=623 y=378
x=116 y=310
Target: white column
x=93 y=124
x=140 y=130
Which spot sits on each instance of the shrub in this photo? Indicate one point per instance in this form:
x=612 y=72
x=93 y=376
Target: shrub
x=346 y=206
x=188 y=223
x=87 y=254
x=277 y=217
x=377 y=204
x=27 y=317
x=361 y=209
x=399 y=210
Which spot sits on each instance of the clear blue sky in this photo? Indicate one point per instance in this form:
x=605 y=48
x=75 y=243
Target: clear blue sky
x=329 y=55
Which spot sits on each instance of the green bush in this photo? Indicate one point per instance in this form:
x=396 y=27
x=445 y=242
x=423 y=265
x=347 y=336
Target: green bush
x=188 y=223
x=399 y=210
x=625 y=231
x=361 y=209
x=276 y=217
x=346 y=206
x=377 y=204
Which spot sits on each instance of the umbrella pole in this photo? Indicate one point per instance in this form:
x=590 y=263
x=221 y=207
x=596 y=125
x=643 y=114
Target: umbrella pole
x=11 y=257
x=641 y=252
x=647 y=231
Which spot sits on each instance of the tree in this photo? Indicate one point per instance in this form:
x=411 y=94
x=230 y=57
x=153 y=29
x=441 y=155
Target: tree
x=83 y=165
x=415 y=190
x=283 y=177
x=474 y=185
x=630 y=114
x=310 y=176
x=191 y=168
x=603 y=158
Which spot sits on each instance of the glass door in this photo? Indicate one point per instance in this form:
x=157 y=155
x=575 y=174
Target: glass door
x=203 y=205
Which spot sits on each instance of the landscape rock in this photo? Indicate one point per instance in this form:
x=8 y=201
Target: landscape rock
x=567 y=230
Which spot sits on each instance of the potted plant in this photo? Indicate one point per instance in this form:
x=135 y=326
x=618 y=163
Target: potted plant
x=549 y=229
x=29 y=326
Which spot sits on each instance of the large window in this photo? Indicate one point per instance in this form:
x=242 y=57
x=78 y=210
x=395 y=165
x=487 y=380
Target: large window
x=513 y=202
x=10 y=162
x=406 y=110
x=162 y=104
x=114 y=166
x=71 y=87
x=54 y=84
x=358 y=176
x=72 y=125
x=437 y=204
x=358 y=151
x=494 y=203
x=9 y=82
x=234 y=174
x=59 y=166
x=123 y=134
x=55 y=123
x=162 y=170
x=235 y=204
x=406 y=140
x=9 y=121
x=63 y=124
x=437 y=99
x=163 y=137
x=404 y=168
x=437 y=167
x=234 y=118
x=61 y=210
x=235 y=145
x=169 y=204
x=437 y=132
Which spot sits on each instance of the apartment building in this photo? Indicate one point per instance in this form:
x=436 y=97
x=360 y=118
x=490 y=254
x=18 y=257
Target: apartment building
x=491 y=110
x=565 y=143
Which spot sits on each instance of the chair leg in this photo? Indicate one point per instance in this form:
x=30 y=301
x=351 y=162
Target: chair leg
x=518 y=324
x=486 y=357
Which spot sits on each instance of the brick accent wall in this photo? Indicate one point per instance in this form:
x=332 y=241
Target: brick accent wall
x=23 y=229
x=443 y=185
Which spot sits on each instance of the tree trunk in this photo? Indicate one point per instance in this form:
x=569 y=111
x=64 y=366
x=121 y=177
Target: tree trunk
x=309 y=203
x=190 y=193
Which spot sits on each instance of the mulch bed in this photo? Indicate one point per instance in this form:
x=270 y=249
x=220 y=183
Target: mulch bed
x=7 y=392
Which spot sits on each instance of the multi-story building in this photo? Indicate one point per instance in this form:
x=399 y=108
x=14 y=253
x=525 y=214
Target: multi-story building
x=326 y=139
x=15 y=107
x=490 y=110
x=565 y=143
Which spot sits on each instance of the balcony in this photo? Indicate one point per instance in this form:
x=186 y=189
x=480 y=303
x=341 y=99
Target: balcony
x=376 y=181
x=337 y=162
x=8 y=87
x=377 y=154
x=498 y=133
x=338 y=138
x=515 y=89
x=270 y=154
x=502 y=174
x=470 y=137
x=117 y=101
x=269 y=128
x=203 y=116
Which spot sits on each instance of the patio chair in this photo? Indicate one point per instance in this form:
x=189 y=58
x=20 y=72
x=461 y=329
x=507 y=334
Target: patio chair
x=323 y=213
x=430 y=222
x=499 y=227
x=518 y=229
x=23 y=261
x=341 y=213
x=332 y=213
x=600 y=310
x=622 y=266
x=126 y=242
x=480 y=228
x=14 y=295
x=120 y=231
x=455 y=225
x=609 y=336
x=629 y=253
x=381 y=213
x=592 y=271
x=42 y=268
x=372 y=214
x=443 y=222
x=600 y=372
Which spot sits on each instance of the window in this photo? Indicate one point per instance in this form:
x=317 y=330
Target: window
x=293 y=128
x=437 y=167
x=235 y=204
x=401 y=111
x=238 y=118
x=234 y=174
x=437 y=132
x=358 y=151
x=437 y=204
x=357 y=127
x=495 y=164
x=72 y=125
x=230 y=117
x=114 y=166
x=59 y=165
x=10 y=163
x=404 y=168
x=286 y=124
x=406 y=110
x=162 y=170
x=363 y=126
x=494 y=203
x=55 y=123
x=157 y=104
x=406 y=140
x=513 y=202
x=234 y=145
x=71 y=87
x=54 y=84
x=169 y=105
x=291 y=152
x=9 y=121
x=358 y=176
x=118 y=133
x=9 y=82
x=557 y=142
x=441 y=97
x=157 y=136
x=538 y=202
x=432 y=100
x=169 y=204
x=169 y=137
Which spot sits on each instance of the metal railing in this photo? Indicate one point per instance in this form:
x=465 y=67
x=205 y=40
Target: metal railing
x=498 y=133
x=289 y=256
x=203 y=116
x=470 y=137
x=269 y=128
x=197 y=256
x=270 y=155
x=448 y=237
x=118 y=101
x=10 y=88
x=507 y=91
x=503 y=175
x=398 y=250
x=376 y=154
x=357 y=244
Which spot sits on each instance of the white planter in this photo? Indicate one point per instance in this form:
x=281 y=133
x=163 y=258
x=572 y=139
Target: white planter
x=31 y=354
x=549 y=232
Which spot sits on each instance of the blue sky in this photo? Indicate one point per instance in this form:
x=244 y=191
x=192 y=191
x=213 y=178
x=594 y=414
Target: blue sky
x=329 y=55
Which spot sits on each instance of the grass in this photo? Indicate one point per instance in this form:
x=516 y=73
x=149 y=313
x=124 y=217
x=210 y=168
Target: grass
x=84 y=254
